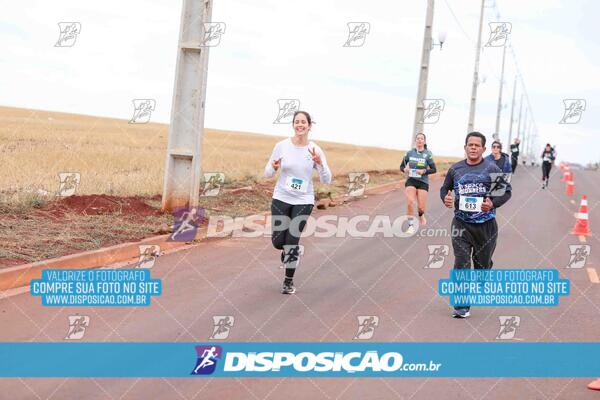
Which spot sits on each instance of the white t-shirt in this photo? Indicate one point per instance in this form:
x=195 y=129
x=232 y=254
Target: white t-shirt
x=294 y=185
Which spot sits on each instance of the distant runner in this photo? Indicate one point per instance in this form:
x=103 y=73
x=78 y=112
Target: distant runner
x=293 y=196
x=418 y=164
x=548 y=157
x=474 y=209
x=514 y=154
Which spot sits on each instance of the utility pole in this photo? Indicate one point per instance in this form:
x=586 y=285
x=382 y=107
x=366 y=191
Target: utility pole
x=184 y=150
x=530 y=145
x=512 y=109
x=424 y=72
x=525 y=130
x=519 y=119
x=529 y=140
x=476 y=73
x=499 y=110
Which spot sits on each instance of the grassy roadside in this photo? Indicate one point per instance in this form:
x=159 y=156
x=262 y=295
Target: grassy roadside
x=37 y=229
x=121 y=166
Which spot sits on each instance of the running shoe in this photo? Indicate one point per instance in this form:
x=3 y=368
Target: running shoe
x=288 y=288
x=411 y=230
x=422 y=220
x=460 y=313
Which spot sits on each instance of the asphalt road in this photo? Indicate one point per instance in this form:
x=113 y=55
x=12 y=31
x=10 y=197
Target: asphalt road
x=338 y=280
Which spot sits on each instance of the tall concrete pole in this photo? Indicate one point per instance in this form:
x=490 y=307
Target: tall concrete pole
x=499 y=110
x=184 y=150
x=423 y=73
x=476 y=73
x=524 y=131
x=530 y=141
x=524 y=127
x=512 y=109
x=519 y=118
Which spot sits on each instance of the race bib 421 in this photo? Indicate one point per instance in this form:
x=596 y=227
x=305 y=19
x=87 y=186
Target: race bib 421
x=296 y=184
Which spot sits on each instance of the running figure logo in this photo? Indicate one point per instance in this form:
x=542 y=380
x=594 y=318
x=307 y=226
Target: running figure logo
x=287 y=108
x=77 y=326
x=68 y=183
x=148 y=255
x=499 y=183
x=291 y=255
x=574 y=108
x=432 y=109
x=68 y=34
x=508 y=326
x=222 y=326
x=212 y=183
x=357 y=33
x=212 y=33
x=142 y=110
x=186 y=224
x=579 y=254
x=499 y=34
x=207 y=359
x=358 y=183
x=366 y=326
x=437 y=255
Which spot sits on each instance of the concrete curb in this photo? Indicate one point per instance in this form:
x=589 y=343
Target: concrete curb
x=20 y=275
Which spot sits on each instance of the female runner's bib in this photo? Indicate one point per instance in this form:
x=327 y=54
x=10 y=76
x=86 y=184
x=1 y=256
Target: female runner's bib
x=296 y=184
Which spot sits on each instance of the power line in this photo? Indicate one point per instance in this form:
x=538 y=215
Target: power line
x=490 y=69
x=520 y=76
x=458 y=22
x=487 y=62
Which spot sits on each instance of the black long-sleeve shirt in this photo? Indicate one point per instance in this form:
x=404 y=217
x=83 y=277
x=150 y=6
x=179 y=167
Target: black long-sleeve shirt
x=473 y=181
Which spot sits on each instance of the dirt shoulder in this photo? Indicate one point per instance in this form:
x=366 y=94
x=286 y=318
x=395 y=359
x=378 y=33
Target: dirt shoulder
x=38 y=228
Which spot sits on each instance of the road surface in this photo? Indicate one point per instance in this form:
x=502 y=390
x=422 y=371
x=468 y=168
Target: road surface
x=338 y=280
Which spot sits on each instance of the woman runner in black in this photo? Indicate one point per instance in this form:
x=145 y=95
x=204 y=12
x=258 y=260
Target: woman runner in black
x=548 y=157
x=293 y=197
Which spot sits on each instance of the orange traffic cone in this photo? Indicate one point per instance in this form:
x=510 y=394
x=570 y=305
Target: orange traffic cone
x=570 y=188
x=582 y=227
x=594 y=385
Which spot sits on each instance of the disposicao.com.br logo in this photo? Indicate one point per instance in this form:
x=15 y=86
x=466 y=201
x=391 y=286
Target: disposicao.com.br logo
x=308 y=363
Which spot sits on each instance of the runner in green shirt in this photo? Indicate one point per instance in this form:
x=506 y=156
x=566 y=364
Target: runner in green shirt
x=417 y=164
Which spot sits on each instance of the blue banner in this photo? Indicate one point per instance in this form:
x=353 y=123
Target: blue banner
x=504 y=287
x=299 y=359
x=95 y=287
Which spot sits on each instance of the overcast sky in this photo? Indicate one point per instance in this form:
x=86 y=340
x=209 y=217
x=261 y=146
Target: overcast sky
x=276 y=49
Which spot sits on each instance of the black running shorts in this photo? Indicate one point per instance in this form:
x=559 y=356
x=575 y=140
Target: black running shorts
x=417 y=184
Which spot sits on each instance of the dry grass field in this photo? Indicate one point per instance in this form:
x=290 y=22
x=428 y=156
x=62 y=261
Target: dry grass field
x=118 y=158
x=121 y=167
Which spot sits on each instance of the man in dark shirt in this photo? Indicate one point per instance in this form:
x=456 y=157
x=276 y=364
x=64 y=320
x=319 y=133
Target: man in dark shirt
x=475 y=201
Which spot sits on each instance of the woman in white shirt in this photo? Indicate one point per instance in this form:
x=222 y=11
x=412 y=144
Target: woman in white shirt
x=293 y=196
